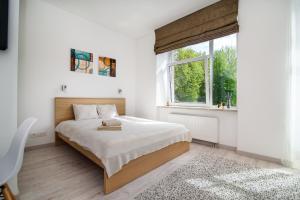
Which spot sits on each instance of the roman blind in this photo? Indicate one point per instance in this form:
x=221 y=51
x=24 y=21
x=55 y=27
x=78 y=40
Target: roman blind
x=214 y=21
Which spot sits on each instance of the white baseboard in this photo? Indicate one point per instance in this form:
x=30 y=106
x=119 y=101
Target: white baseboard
x=30 y=148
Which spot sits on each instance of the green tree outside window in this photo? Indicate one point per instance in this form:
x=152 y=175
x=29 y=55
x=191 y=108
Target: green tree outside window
x=189 y=78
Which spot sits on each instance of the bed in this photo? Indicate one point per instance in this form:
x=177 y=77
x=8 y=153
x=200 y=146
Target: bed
x=140 y=147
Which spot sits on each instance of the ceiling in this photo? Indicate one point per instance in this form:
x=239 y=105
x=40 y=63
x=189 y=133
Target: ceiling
x=134 y=18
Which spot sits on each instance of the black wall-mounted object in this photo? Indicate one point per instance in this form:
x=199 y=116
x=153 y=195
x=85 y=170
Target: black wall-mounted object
x=3 y=24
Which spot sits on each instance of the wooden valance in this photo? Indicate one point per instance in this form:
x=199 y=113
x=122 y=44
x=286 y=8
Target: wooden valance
x=214 y=21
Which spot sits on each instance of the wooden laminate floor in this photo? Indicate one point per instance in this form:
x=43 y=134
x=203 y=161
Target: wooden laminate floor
x=61 y=173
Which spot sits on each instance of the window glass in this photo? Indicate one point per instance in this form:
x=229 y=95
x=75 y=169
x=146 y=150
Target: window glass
x=189 y=82
x=192 y=51
x=224 y=70
x=191 y=69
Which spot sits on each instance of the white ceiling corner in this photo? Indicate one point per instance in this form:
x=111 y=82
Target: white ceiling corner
x=134 y=18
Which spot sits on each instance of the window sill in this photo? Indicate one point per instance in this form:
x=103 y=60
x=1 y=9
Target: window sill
x=211 y=108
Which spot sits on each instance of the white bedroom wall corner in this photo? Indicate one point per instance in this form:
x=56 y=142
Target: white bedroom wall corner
x=292 y=154
x=8 y=80
x=146 y=77
x=262 y=82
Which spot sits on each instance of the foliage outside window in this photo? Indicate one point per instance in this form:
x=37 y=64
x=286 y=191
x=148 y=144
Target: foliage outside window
x=204 y=73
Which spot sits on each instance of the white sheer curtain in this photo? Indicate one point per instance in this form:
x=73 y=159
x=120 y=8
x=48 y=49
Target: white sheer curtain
x=294 y=136
x=162 y=80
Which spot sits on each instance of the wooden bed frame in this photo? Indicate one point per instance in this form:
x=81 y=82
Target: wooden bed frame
x=130 y=171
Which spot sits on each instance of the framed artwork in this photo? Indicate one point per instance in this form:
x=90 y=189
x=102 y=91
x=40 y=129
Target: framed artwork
x=107 y=66
x=81 y=61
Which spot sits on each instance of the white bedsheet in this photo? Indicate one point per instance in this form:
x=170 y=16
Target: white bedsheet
x=116 y=148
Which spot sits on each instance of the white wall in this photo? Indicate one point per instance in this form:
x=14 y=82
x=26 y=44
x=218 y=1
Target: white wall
x=259 y=125
x=146 y=78
x=8 y=80
x=263 y=76
x=47 y=34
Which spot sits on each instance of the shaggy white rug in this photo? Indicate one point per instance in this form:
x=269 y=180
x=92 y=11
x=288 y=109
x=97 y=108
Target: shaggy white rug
x=209 y=176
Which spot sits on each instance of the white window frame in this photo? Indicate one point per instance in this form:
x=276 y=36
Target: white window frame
x=208 y=77
x=208 y=81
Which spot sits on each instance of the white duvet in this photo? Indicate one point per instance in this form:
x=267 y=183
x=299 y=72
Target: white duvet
x=116 y=148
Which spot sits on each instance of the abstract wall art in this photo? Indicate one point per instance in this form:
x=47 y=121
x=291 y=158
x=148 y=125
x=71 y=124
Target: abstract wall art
x=107 y=66
x=81 y=61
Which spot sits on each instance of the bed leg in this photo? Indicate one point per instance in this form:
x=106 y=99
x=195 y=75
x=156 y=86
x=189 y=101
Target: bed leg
x=58 y=141
x=106 y=188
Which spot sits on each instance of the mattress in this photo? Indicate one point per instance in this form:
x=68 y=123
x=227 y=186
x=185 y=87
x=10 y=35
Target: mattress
x=116 y=148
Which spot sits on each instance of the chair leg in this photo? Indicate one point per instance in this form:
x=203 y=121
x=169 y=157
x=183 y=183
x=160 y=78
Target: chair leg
x=8 y=195
x=1 y=192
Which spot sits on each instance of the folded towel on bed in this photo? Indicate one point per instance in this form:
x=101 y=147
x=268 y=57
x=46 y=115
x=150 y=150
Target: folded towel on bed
x=109 y=128
x=110 y=125
x=111 y=122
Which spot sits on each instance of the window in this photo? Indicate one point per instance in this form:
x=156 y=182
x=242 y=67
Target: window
x=204 y=73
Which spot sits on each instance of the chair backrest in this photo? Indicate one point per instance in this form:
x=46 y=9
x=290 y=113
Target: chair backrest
x=15 y=154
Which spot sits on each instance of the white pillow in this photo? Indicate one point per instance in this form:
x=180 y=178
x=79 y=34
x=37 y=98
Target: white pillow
x=107 y=111
x=82 y=112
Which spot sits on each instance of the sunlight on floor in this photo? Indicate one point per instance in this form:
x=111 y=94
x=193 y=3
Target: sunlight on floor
x=254 y=181
x=270 y=183
x=200 y=183
x=250 y=174
x=227 y=193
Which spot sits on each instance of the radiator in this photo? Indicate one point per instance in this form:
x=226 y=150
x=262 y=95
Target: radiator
x=201 y=127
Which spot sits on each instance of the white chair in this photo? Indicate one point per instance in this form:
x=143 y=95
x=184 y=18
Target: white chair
x=11 y=163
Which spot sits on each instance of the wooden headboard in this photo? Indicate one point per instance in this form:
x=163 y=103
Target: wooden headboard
x=64 y=108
